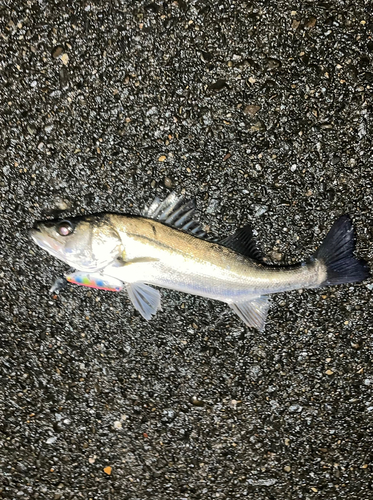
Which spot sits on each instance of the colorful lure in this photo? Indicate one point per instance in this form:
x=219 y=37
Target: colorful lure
x=95 y=280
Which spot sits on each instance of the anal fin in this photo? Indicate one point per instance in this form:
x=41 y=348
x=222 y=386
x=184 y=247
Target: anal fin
x=144 y=298
x=253 y=312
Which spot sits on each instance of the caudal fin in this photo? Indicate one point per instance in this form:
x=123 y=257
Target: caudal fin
x=336 y=252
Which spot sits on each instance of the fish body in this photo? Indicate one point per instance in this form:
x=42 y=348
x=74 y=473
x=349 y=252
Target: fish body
x=161 y=256
x=167 y=248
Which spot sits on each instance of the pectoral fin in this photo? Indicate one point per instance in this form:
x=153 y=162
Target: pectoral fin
x=144 y=298
x=253 y=312
x=121 y=261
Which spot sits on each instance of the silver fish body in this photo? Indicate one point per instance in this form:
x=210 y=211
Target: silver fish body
x=168 y=249
x=161 y=256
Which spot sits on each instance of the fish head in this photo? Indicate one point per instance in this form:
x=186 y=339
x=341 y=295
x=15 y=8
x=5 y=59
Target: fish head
x=85 y=243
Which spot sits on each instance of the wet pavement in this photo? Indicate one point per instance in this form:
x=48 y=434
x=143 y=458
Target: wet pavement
x=261 y=111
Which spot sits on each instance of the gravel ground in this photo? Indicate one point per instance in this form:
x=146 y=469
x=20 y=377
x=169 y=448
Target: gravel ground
x=262 y=112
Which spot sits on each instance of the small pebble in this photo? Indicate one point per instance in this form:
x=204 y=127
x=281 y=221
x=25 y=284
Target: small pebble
x=196 y=402
x=218 y=85
x=251 y=109
x=65 y=59
x=21 y=468
x=257 y=127
x=108 y=470
x=57 y=51
x=168 y=182
x=295 y=24
x=311 y=22
x=276 y=256
x=62 y=204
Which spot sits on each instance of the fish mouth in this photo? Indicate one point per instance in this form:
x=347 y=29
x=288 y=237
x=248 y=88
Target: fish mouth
x=45 y=242
x=36 y=235
x=33 y=233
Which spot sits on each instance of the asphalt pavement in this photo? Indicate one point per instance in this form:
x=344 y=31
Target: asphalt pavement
x=262 y=112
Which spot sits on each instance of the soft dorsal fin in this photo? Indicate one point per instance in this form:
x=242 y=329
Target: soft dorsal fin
x=174 y=211
x=243 y=242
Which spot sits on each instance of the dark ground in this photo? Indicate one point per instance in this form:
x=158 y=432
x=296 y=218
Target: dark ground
x=96 y=402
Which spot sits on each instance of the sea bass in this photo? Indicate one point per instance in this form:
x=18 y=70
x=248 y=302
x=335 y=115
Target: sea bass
x=167 y=248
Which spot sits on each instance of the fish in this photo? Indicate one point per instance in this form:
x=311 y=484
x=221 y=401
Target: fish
x=166 y=247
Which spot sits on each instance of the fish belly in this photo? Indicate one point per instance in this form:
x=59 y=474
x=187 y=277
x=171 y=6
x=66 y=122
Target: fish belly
x=211 y=281
x=178 y=261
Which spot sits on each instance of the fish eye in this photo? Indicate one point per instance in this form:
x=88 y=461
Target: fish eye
x=65 y=228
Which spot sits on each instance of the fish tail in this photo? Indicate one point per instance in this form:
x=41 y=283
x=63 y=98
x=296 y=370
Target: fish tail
x=337 y=254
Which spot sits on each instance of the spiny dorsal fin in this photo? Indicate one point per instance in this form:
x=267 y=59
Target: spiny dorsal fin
x=174 y=211
x=243 y=242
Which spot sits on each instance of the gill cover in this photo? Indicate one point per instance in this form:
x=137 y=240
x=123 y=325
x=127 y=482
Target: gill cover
x=85 y=243
x=106 y=243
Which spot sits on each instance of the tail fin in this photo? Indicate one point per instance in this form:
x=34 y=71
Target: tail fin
x=336 y=251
